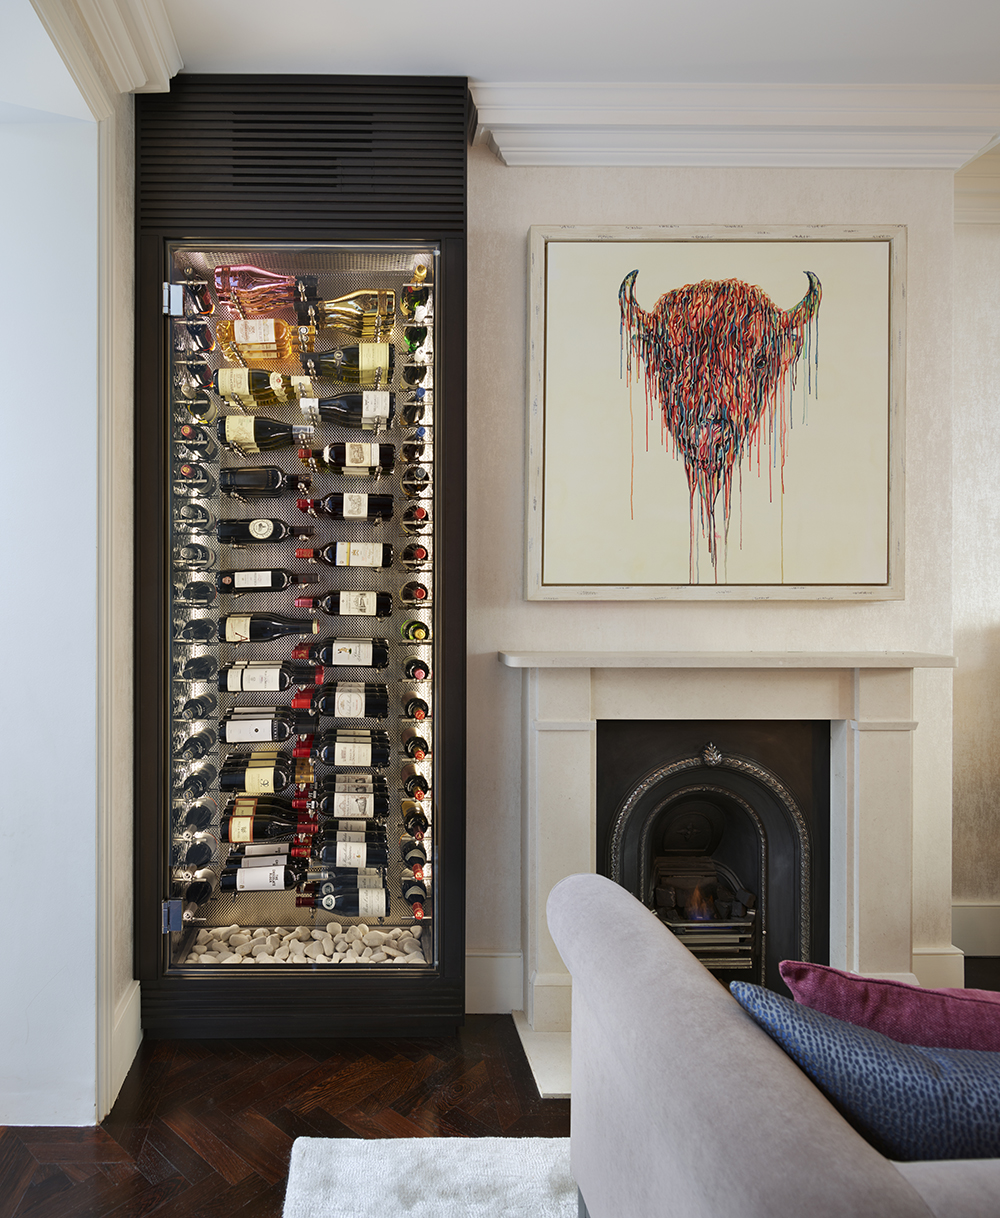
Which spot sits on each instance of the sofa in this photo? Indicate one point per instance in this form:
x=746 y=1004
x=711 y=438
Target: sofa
x=682 y=1105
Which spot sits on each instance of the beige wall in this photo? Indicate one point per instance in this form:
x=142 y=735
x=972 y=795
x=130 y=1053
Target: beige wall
x=977 y=562
x=503 y=202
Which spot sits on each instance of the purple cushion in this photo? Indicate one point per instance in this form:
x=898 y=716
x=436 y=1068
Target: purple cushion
x=937 y=1019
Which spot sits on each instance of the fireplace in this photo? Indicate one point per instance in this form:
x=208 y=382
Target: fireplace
x=722 y=829
x=864 y=704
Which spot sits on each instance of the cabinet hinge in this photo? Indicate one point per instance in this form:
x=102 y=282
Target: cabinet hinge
x=173 y=299
x=173 y=916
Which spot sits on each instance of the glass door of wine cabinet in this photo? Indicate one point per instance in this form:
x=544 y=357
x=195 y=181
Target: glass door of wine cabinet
x=301 y=804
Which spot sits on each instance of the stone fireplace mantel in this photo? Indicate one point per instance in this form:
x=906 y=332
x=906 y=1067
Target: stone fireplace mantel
x=866 y=696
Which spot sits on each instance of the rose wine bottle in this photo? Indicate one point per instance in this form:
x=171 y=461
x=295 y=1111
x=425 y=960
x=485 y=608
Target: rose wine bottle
x=349 y=604
x=247 y=289
x=349 y=505
x=368 y=410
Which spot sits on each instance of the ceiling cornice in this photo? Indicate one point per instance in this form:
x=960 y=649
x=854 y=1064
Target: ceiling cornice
x=132 y=39
x=823 y=126
x=977 y=191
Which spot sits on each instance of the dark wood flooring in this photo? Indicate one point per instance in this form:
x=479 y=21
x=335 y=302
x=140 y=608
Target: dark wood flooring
x=205 y=1128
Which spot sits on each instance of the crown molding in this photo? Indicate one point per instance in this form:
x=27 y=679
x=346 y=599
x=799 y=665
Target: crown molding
x=133 y=41
x=825 y=126
x=977 y=191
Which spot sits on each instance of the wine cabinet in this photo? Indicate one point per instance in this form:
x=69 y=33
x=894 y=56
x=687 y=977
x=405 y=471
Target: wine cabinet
x=300 y=570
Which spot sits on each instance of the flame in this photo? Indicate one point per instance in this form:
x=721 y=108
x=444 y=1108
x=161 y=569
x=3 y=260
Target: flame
x=700 y=908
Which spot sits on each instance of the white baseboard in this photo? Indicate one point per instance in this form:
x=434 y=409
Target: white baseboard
x=940 y=970
x=975 y=927
x=125 y=1040
x=494 y=983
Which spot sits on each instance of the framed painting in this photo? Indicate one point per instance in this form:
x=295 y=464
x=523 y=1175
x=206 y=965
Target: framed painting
x=715 y=413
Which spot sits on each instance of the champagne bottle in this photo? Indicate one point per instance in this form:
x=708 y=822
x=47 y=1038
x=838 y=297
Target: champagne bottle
x=253 y=388
x=258 y=434
x=415 y=669
x=415 y=519
x=246 y=289
x=243 y=725
x=347 y=653
x=349 y=604
x=246 y=532
x=414 y=891
x=368 y=410
x=416 y=631
x=349 y=505
x=196 y=441
x=414 y=783
x=260 y=879
x=416 y=481
x=355 y=903
x=267 y=677
x=347 y=700
x=198 y=668
x=262 y=339
x=366 y=314
x=195 y=708
x=361 y=748
x=369 y=364
x=350 y=554
x=254 y=627
x=257 y=773
x=415 y=555
x=361 y=460
x=414 y=745
x=197 y=745
x=265 y=579
x=259 y=482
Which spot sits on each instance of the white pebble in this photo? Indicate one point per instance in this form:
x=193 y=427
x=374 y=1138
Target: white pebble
x=282 y=953
x=391 y=951
x=319 y=934
x=363 y=929
x=327 y=945
x=314 y=950
x=408 y=945
x=396 y=933
x=203 y=936
x=374 y=938
x=416 y=931
x=265 y=959
x=239 y=940
x=303 y=933
x=260 y=933
x=353 y=935
x=192 y=959
x=414 y=958
x=260 y=948
x=208 y=959
x=333 y=928
x=378 y=957
x=366 y=954
x=232 y=960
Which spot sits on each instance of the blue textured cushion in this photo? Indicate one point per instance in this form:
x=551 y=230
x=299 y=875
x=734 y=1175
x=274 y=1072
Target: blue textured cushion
x=910 y=1102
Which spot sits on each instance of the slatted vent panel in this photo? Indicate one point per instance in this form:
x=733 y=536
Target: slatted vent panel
x=303 y=158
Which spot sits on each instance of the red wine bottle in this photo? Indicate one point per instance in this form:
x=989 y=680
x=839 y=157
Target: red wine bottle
x=349 y=505
x=415 y=555
x=260 y=482
x=349 y=653
x=271 y=805
x=245 y=724
x=346 y=700
x=415 y=821
x=199 y=781
x=358 y=748
x=414 y=707
x=198 y=594
x=255 y=627
x=353 y=854
x=197 y=745
x=259 y=676
x=264 y=826
x=415 y=669
x=244 y=854
x=201 y=668
x=414 y=745
x=369 y=831
x=260 y=879
x=354 y=903
x=416 y=481
x=415 y=519
x=363 y=460
x=256 y=773
x=195 y=630
x=350 y=554
x=413 y=593
x=415 y=892
x=195 y=708
x=197 y=441
x=414 y=783
x=369 y=410
x=414 y=856
x=263 y=580
x=349 y=604
x=338 y=885
x=246 y=532
x=257 y=433
x=360 y=804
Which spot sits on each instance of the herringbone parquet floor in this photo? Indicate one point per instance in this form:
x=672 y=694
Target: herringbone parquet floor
x=204 y=1129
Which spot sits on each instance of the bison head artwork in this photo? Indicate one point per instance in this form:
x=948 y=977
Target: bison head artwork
x=720 y=359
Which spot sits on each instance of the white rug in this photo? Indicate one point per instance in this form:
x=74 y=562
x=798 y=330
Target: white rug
x=430 y=1178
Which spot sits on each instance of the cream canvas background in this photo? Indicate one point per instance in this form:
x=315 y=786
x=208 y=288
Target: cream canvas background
x=831 y=525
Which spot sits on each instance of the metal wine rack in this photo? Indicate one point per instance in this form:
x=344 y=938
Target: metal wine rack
x=340 y=270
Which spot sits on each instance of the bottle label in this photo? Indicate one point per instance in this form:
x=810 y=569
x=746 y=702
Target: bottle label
x=349 y=702
x=357 y=456
x=234 y=382
x=261 y=529
x=348 y=836
x=356 y=653
x=259 y=780
x=358 y=604
x=355 y=506
x=273 y=859
x=281 y=387
x=351 y=826
x=370 y=881
x=374 y=405
x=372 y=358
x=351 y=753
x=241 y=829
x=253 y=579
x=259 y=879
x=352 y=854
x=372 y=903
x=257 y=331
x=265 y=679
x=239 y=431
x=356 y=804
x=359 y=554
x=240 y=730
x=278 y=849
x=238 y=628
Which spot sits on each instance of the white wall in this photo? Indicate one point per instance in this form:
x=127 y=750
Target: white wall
x=48 y=346
x=503 y=202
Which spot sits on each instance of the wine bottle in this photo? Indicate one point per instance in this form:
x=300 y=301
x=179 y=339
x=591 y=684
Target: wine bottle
x=195 y=708
x=367 y=410
x=244 y=853
x=351 y=458
x=415 y=300
x=348 y=653
x=196 y=441
x=414 y=783
x=193 y=557
x=197 y=745
x=336 y=747
x=260 y=879
x=415 y=669
x=256 y=773
x=255 y=627
x=275 y=858
x=350 y=554
x=416 y=631
x=195 y=895
x=199 y=781
x=262 y=338
x=236 y=583
x=367 y=314
x=192 y=336
x=349 y=604
x=193 y=517
x=366 y=804
x=191 y=375
x=337 y=885
x=414 y=745
x=355 y=831
x=353 y=854
x=416 y=481
x=192 y=478
x=415 y=338
x=195 y=630
x=347 y=700
x=261 y=676
x=369 y=364
x=250 y=289
x=414 y=891
x=414 y=855
x=250 y=388
x=415 y=555
x=246 y=532
x=415 y=519
x=198 y=668
x=415 y=820
x=269 y=805
x=258 y=434
x=198 y=594
x=259 y=482
x=198 y=818
x=355 y=903
x=412 y=412
x=414 y=707
x=246 y=724
x=349 y=505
